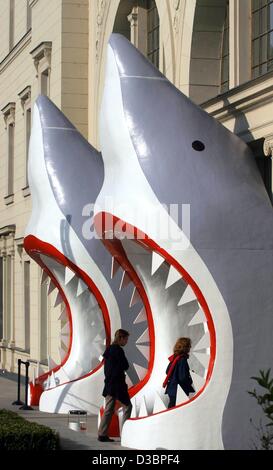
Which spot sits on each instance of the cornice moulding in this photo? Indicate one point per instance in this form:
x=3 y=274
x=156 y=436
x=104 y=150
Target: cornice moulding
x=17 y=49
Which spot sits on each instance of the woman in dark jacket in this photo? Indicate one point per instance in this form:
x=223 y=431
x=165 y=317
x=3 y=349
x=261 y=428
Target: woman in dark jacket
x=178 y=371
x=115 y=387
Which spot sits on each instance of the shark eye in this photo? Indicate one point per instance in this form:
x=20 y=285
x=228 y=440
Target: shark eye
x=198 y=146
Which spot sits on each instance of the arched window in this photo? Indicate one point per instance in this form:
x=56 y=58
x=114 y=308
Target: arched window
x=138 y=21
x=262 y=37
x=209 y=67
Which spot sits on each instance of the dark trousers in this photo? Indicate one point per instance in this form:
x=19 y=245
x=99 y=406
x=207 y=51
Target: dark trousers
x=108 y=413
x=172 y=401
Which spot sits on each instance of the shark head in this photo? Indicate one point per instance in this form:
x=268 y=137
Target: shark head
x=211 y=282
x=66 y=175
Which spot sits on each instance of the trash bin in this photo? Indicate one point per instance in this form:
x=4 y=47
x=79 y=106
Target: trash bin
x=77 y=420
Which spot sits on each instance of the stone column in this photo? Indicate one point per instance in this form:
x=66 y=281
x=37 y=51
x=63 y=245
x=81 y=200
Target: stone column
x=138 y=22
x=239 y=42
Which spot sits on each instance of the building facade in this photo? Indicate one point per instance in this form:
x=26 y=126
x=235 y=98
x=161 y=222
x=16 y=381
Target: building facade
x=217 y=52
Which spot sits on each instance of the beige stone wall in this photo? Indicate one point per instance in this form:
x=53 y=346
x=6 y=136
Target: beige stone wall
x=74 y=83
x=65 y=24
x=4 y=28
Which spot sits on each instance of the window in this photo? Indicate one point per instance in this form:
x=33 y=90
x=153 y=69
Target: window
x=28 y=15
x=138 y=21
x=25 y=97
x=27 y=136
x=27 y=304
x=9 y=117
x=8 y=292
x=11 y=24
x=10 y=158
x=45 y=83
x=153 y=33
x=42 y=60
x=44 y=323
x=225 y=55
x=262 y=37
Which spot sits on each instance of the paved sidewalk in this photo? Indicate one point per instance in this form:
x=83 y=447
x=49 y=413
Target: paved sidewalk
x=70 y=440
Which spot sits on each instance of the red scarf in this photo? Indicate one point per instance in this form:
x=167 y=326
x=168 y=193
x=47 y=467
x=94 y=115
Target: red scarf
x=173 y=359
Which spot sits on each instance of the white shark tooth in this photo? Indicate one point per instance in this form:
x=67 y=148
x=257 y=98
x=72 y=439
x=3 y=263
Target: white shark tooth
x=144 y=338
x=98 y=338
x=203 y=358
x=141 y=317
x=128 y=381
x=187 y=296
x=206 y=328
x=157 y=261
x=65 y=339
x=199 y=317
x=135 y=298
x=69 y=274
x=181 y=396
x=145 y=350
x=204 y=342
x=173 y=277
x=51 y=363
x=65 y=329
x=58 y=300
x=62 y=353
x=46 y=384
x=93 y=302
x=143 y=408
x=63 y=317
x=159 y=405
x=82 y=287
x=100 y=348
x=52 y=382
x=134 y=409
x=198 y=381
x=120 y=413
x=34 y=376
x=115 y=267
x=51 y=287
x=125 y=280
x=141 y=371
x=39 y=370
x=44 y=277
x=63 y=345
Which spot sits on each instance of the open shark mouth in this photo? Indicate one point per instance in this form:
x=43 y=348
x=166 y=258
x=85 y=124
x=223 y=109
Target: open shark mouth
x=177 y=308
x=78 y=294
x=85 y=321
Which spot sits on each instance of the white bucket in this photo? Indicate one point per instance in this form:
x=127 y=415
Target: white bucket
x=74 y=426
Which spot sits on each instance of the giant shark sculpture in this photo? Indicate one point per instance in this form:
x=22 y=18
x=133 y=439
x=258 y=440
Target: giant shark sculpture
x=65 y=176
x=215 y=285
x=212 y=283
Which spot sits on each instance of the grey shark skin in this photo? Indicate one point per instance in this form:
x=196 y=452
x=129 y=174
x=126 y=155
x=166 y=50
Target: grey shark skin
x=231 y=215
x=75 y=172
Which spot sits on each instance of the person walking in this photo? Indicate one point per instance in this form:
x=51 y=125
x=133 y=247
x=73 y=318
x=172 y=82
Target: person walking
x=178 y=371
x=115 y=387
